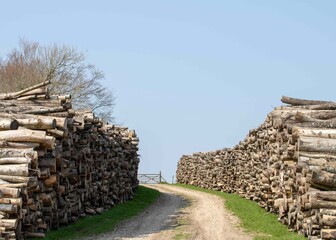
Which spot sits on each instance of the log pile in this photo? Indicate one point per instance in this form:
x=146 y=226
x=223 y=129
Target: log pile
x=58 y=165
x=287 y=165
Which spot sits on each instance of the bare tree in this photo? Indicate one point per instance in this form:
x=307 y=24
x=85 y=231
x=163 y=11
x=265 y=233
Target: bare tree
x=67 y=70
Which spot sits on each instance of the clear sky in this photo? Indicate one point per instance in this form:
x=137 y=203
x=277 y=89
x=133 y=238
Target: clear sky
x=190 y=76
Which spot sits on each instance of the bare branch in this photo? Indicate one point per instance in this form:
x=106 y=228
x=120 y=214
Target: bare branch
x=67 y=70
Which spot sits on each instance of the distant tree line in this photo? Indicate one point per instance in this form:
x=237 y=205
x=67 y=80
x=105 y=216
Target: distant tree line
x=65 y=67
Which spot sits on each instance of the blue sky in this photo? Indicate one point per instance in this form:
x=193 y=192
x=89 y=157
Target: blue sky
x=190 y=76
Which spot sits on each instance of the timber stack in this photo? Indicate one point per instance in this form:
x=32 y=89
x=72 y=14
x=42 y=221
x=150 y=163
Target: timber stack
x=287 y=165
x=58 y=165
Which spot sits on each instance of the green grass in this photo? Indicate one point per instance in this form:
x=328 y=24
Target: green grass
x=262 y=224
x=180 y=233
x=109 y=219
x=181 y=236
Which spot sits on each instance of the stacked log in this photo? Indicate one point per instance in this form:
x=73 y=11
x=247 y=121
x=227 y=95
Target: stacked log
x=287 y=165
x=57 y=165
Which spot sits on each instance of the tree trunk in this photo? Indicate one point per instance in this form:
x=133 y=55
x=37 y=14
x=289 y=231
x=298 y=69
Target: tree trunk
x=15 y=170
x=328 y=195
x=38 y=123
x=23 y=135
x=9 y=223
x=8 y=124
x=14 y=179
x=52 y=180
x=11 y=192
x=61 y=122
x=44 y=110
x=8 y=96
x=316 y=204
x=37 y=91
x=329 y=220
x=324 y=178
x=300 y=102
x=34 y=235
x=313 y=132
x=15 y=201
x=330 y=212
x=323 y=114
x=15 y=160
x=328 y=233
x=8 y=208
x=17 y=152
x=26 y=135
x=5 y=144
x=311 y=144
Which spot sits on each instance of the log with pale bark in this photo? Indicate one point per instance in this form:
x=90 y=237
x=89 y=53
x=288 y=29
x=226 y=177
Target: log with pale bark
x=24 y=92
x=8 y=124
x=300 y=102
x=26 y=135
x=316 y=144
x=48 y=121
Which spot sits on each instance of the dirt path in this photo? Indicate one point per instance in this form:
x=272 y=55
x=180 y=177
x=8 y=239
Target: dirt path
x=204 y=218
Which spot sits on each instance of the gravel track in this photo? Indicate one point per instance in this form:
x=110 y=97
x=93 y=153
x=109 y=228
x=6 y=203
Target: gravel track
x=182 y=213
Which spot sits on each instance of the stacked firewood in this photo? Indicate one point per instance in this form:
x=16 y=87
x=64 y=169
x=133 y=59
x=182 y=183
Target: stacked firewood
x=287 y=165
x=57 y=165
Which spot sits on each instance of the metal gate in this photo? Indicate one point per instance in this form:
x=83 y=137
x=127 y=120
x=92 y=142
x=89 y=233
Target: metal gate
x=151 y=178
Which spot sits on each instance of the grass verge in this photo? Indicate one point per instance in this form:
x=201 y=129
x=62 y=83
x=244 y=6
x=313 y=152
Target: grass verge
x=108 y=220
x=263 y=225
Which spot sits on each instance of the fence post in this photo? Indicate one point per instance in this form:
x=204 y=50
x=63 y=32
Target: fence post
x=160 y=177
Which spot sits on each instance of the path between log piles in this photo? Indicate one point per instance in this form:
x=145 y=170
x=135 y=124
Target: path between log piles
x=201 y=217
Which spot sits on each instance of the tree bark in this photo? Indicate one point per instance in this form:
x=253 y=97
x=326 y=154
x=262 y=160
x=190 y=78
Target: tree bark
x=330 y=212
x=57 y=133
x=16 y=152
x=15 y=160
x=328 y=233
x=52 y=180
x=323 y=114
x=8 y=96
x=11 y=192
x=15 y=170
x=324 y=195
x=33 y=97
x=35 y=103
x=44 y=110
x=61 y=122
x=35 y=235
x=324 y=178
x=23 y=135
x=299 y=102
x=8 y=208
x=15 y=201
x=14 y=179
x=8 y=124
x=37 y=91
x=26 y=135
x=316 y=204
x=323 y=106
x=313 y=132
x=9 y=223
x=311 y=144
x=38 y=123
x=327 y=156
